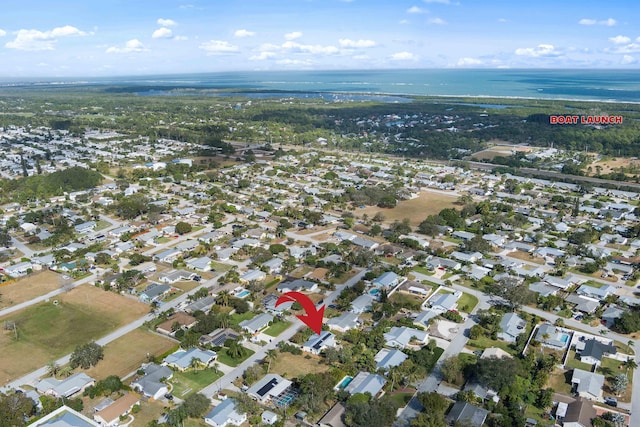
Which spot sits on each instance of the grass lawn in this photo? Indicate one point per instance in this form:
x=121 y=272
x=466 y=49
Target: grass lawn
x=299 y=272
x=101 y=225
x=189 y=382
x=423 y=270
x=48 y=331
x=277 y=328
x=223 y=357
x=127 y=353
x=610 y=368
x=467 y=302
x=29 y=287
x=161 y=240
x=486 y=342
x=219 y=266
x=345 y=276
x=405 y=300
x=271 y=284
x=574 y=362
x=560 y=381
x=524 y=256
x=291 y=366
x=236 y=318
x=149 y=411
x=401 y=399
x=186 y=285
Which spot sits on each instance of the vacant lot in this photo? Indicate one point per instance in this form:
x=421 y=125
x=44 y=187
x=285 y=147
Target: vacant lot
x=428 y=203
x=48 y=331
x=128 y=352
x=500 y=150
x=29 y=287
x=291 y=366
x=609 y=165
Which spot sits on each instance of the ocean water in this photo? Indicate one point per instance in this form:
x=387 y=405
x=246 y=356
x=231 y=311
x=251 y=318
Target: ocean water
x=601 y=85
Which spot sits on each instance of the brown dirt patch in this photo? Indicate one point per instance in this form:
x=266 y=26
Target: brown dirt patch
x=428 y=203
x=128 y=352
x=291 y=366
x=29 y=287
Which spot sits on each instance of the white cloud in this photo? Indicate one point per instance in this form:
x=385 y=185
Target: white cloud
x=630 y=48
x=166 y=22
x=538 y=51
x=437 y=21
x=42 y=40
x=416 y=9
x=292 y=36
x=162 y=33
x=262 y=56
x=244 y=33
x=610 y=22
x=293 y=62
x=181 y=38
x=218 y=47
x=2 y=33
x=464 y=62
x=619 y=39
x=403 y=56
x=309 y=48
x=133 y=45
x=502 y=20
x=628 y=59
x=356 y=43
x=403 y=22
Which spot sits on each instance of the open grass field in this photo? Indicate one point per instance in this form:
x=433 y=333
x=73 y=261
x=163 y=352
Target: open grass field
x=187 y=383
x=560 y=381
x=500 y=150
x=428 y=203
x=467 y=302
x=277 y=328
x=29 y=287
x=149 y=411
x=128 y=352
x=223 y=357
x=48 y=331
x=291 y=366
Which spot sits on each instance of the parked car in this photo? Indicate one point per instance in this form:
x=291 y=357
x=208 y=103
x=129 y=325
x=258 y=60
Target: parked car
x=611 y=401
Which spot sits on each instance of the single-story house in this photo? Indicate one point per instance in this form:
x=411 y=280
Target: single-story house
x=174 y=276
x=273 y=266
x=180 y=319
x=226 y=413
x=344 y=322
x=333 y=417
x=169 y=255
x=552 y=336
x=85 y=227
x=297 y=285
x=587 y=384
x=269 y=304
x=67 y=387
x=219 y=337
x=203 y=304
x=253 y=276
x=597 y=293
x=269 y=417
x=401 y=337
x=577 y=414
x=362 y=304
x=154 y=292
x=465 y=412
x=149 y=384
x=269 y=387
x=64 y=417
x=182 y=359
x=424 y=317
x=388 y=358
x=511 y=327
x=257 y=323
x=366 y=382
x=318 y=343
x=437 y=262
x=110 y=416
x=592 y=351
x=388 y=279
x=445 y=301
x=18 y=270
x=200 y=264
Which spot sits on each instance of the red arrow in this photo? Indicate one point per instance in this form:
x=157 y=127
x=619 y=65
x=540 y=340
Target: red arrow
x=314 y=316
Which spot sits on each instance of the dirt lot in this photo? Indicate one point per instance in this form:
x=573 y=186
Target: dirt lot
x=290 y=366
x=29 y=287
x=127 y=353
x=52 y=329
x=612 y=164
x=428 y=203
x=500 y=150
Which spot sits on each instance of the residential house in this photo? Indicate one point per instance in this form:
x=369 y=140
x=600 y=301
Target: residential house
x=257 y=323
x=362 y=304
x=174 y=276
x=468 y=257
x=269 y=387
x=388 y=358
x=318 y=343
x=168 y=255
x=18 y=270
x=542 y=289
x=511 y=326
x=464 y=235
x=612 y=313
x=183 y=359
x=226 y=413
x=578 y=414
x=481 y=391
x=200 y=264
x=402 y=336
x=592 y=351
x=333 y=417
x=269 y=304
x=424 y=318
x=150 y=383
x=154 y=292
x=552 y=336
x=110 y=416
x=273 y=266
x=269 y=417
x=344 y=322
x=597 y=293
x=297 y=285
x=583 y=304
x=366 y=382
x=67 y=387
x=218 y=337
x=587 y=384
x=178 y=320
x=388 y=279
x=85 y=227
x=466 y=413
x=437 y=262
x=64 y=417
x=202 y=304
x=444 y=302
x=187 y=245
x=253 y=276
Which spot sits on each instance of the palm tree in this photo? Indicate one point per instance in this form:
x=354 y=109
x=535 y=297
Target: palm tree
x=224 y=320
x=235 y=350
x=630 y=343
x=216 y=367
x=53 y=369
x=223 y=298
x=271 y=355
x=629 y=364
x=194 y=364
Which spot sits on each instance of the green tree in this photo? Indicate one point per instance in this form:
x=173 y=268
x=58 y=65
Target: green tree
x=15 y=408
x=183 y=228
x=196 y=405
x=86 y=355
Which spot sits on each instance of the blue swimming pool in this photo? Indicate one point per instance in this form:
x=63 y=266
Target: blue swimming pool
x=243 y=294
x=343 y=383
x=564 y=338
x=374 y=291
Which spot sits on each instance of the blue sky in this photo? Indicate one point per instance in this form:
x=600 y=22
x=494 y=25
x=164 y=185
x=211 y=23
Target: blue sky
x=48 y=38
